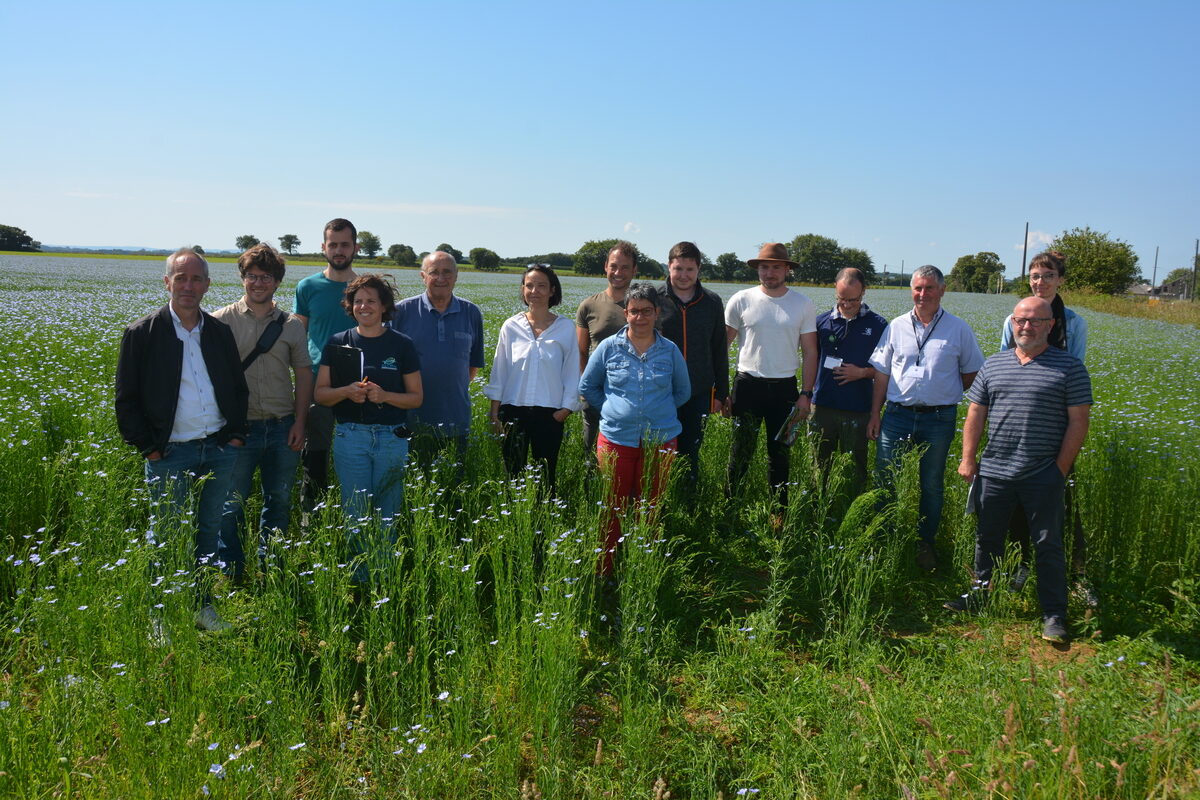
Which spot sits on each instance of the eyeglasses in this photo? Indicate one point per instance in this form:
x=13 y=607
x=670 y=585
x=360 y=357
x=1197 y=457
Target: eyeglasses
x=849 y=301
x=258 y=278
x=1035 y=321
x=640 y=312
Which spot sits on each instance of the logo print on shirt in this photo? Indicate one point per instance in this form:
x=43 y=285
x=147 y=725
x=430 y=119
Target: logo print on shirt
x=389 y=363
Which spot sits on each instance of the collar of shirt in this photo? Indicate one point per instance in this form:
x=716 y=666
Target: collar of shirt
x=244 y=308
x=179 y=329
x=428 y=306
x=863 y=309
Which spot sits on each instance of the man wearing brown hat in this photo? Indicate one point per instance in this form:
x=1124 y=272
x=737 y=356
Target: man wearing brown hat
x=768 y=321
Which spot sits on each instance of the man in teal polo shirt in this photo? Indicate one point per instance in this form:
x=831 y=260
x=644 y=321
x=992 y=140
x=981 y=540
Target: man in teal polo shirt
x=319 y=307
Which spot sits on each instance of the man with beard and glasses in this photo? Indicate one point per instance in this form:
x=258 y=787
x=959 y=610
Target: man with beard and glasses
x=319 y=308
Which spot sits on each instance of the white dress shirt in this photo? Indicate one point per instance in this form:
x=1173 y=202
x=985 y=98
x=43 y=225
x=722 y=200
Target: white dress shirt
x=196 y=411
x=530 y=370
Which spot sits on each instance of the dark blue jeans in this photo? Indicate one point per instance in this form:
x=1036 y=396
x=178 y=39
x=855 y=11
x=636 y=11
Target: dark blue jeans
x=267 y=451
x=1040 y=496
x=173 y=476
x=904 y=428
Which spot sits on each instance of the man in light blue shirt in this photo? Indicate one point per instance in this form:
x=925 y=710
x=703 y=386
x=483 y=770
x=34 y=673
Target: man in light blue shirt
x=448 y=333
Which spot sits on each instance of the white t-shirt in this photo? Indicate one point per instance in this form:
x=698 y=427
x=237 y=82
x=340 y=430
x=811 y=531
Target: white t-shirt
x=769 y=330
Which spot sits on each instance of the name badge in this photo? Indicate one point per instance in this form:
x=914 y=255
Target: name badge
x=832 y=362
x=915 y=372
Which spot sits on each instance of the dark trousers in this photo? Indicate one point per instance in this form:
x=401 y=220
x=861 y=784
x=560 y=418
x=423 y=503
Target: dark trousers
x=1041 y=497
x=842 y=431
x=691 y=416
x=531 y=429
x=1018 y=532
x=318 y=432
x=758 y=402
x=428 y=445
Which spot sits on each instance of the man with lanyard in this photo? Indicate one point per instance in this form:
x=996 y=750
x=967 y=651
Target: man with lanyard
x=847 y=335
x=272 y=345
x=769 y=321
x=319 y=309
x=599 y=317
x=181 y=402
x=1035 y=401
x=923 y=363
x=448 y=334
x=694 y=319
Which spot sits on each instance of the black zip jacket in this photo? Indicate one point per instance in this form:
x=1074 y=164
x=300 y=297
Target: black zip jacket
x=149 y=369
x=698 y=329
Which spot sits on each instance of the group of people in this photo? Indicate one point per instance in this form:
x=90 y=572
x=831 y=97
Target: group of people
x=223 y=395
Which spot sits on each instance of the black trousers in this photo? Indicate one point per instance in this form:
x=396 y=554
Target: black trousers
x=758 y=402
x=691 y=416
x=531 y=429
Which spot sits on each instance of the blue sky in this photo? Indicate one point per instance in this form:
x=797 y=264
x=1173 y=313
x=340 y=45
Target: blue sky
x=916 y=131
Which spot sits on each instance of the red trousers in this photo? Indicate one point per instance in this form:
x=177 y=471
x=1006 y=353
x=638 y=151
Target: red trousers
x=628 y=466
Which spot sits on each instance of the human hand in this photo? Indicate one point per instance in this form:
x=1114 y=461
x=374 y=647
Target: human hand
x=561 y=415
x=296 y=436
x=968 y=468
x=873 y=427
x=375 y=392
x=847 y=373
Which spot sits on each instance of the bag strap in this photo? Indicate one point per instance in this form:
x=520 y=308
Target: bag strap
x=270 y=335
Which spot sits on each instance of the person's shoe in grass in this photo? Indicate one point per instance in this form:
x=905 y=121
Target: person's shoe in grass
x=1019 y=578
x=1054 y=629
x=926 y=557
x=207 y=619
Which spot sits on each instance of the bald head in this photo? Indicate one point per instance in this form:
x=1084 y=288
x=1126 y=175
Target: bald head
x=1032 y=320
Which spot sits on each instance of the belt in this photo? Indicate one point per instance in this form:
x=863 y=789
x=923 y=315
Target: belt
x=745 y=376
x=923 y=409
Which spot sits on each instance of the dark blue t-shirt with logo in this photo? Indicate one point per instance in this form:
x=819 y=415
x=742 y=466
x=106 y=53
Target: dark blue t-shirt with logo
x=385 y=360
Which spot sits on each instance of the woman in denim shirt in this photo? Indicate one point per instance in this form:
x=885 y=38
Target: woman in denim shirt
x=637 y=378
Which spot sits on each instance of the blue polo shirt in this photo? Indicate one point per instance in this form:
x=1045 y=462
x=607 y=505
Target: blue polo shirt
x=448 y=344
x=853 y=341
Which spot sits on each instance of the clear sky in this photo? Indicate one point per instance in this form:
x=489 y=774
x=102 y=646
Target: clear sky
x=918 y=131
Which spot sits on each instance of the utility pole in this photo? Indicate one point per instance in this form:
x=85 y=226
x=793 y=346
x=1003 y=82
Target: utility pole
x=1154 y=277
x=1195 y=265
x=1025 y=251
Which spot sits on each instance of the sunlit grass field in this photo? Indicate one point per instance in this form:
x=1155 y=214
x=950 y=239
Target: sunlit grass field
x=733 y=661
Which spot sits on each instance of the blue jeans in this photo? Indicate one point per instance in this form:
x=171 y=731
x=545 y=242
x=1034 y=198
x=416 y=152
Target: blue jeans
x=172 y=477
x=266 y=450
x=904 y=428
x=370 y=461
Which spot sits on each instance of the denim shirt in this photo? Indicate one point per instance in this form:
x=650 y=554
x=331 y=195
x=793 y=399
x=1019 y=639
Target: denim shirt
x=637 y=394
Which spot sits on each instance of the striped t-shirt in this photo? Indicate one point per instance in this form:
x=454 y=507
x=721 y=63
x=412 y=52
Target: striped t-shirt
x=1027 y=409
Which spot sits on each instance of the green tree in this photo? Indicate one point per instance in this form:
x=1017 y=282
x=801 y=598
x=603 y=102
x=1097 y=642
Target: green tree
x=198 y=249
x=12 y=238
x=590 y=258
x=247 y=241
x=484 y=259
x=1176 y=274
x=859 y=259
x=403 y=255
x=445 y=248
x=288 y=243
x=1095 y=261
x=369 y=244
x=975 y=273
x=649 y=268
x=731 y=268
x=819 y=258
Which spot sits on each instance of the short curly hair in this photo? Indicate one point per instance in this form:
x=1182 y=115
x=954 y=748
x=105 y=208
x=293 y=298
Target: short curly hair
x=381 y=284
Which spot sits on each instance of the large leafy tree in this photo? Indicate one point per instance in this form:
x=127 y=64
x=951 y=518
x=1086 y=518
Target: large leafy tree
x=590 y=258
x=403 y=255
x=453 y=251
x=247 y=241
x=820 y=258
x=974 y=273
x=369 y=244
x=484 y=259
x=1097 y=262
x=731 y=268
x=12 y=238
x=289 y=242
x=853 y=257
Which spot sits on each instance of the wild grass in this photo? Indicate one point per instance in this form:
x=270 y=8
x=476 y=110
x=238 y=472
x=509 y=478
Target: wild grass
x=727 y=659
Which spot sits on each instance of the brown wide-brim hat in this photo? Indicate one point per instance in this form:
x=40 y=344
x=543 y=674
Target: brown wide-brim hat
x=772 y=251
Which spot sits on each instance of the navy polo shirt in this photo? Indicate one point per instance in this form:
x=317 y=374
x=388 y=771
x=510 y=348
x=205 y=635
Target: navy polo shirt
x=853 y=341
x=448 y=344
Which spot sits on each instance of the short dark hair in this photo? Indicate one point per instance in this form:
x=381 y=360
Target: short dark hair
x=555 y=284
x=624 y=248
x=851 y=274
x=340 y=225
x=685 y=250
x=381 y=284
x=644 y=292
x=264 y=257
x=1050 y=259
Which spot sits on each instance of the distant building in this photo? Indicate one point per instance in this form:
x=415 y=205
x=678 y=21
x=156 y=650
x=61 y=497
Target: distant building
x=1140 y=290
x=1178 y=289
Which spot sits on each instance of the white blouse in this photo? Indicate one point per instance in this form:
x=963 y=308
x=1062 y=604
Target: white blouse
x=530 y=370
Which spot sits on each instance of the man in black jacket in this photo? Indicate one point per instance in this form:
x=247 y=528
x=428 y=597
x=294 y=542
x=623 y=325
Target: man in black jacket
x=694 y=319
x=181 y=401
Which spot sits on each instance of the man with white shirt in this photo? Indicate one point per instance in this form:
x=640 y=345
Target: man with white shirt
x=923 y=363
x=773 y=325
x=181 y=401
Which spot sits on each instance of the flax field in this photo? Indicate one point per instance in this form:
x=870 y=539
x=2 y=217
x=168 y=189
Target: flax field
x=731 y=659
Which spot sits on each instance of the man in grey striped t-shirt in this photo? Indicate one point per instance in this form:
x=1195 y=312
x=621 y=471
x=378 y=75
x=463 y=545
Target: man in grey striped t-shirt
x=1035 y=400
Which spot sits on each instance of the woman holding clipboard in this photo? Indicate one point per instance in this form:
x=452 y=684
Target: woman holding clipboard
x=370 y=375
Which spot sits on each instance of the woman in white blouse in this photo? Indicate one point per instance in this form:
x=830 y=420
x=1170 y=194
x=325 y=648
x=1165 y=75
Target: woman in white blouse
x=534 y=383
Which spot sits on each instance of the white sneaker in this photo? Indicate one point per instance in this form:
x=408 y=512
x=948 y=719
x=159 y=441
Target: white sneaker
x=207 y=619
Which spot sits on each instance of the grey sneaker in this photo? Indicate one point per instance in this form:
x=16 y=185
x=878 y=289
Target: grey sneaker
x=207 y=619
x=1019 y=578
x=926 y=557
x=1054 y=629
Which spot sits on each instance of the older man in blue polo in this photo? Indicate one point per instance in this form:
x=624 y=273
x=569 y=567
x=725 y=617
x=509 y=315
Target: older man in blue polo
x=1035 y=401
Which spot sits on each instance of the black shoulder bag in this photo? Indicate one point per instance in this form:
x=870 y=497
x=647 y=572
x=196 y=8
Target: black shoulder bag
x=268 y=339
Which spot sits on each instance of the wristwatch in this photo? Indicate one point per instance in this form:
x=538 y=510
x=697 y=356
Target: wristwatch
x=807 y=393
